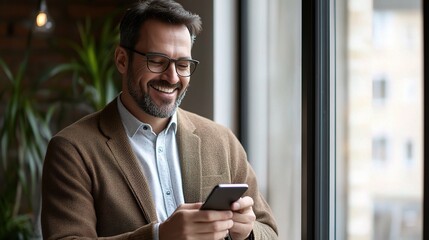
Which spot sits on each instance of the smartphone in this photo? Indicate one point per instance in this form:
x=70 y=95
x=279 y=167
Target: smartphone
x=223 y=195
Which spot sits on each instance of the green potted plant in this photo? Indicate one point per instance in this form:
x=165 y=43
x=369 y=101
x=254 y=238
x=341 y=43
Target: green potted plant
x=25 y=124
x=24 y=134
x=91 y=63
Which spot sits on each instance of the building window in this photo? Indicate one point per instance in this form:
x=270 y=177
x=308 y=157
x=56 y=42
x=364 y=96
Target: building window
x=379 y=89
x=397 y=219
x=380 y=28
x=379 y=149
x=409 y=152
x=382 y=221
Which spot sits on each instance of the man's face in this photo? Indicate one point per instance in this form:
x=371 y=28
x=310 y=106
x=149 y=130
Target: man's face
x=159 y=94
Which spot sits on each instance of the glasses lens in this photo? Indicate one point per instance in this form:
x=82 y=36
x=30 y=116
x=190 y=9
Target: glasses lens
x=185 y=67
x=157 y=64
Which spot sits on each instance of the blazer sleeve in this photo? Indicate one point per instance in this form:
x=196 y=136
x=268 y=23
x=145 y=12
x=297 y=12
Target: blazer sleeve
x=217 y=145
x=241 y=171
x=68 y=210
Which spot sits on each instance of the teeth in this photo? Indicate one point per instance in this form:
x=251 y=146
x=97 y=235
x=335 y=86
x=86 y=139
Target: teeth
x=164 y=89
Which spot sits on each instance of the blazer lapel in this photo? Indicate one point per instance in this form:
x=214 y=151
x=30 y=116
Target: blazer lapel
x=190 y=158
x=111 y=126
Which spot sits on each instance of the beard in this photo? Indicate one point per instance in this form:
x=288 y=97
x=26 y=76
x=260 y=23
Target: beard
x=146 y=103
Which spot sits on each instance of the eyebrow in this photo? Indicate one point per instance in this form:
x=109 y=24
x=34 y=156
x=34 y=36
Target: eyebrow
x=159 y=53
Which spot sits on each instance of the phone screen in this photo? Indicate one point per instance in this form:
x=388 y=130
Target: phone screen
x=223 y=195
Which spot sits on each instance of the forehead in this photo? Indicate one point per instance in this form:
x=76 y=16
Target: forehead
x=162 y=37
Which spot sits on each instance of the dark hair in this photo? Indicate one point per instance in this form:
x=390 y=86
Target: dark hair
x=167 y=11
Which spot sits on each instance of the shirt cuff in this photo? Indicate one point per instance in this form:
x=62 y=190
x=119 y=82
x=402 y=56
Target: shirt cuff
x=156 y=231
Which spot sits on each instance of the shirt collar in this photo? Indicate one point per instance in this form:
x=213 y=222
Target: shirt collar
x=132 y=124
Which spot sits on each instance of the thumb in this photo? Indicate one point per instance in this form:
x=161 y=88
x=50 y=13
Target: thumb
x=190 y=205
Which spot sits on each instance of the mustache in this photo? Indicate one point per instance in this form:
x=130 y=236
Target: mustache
x=164 y=83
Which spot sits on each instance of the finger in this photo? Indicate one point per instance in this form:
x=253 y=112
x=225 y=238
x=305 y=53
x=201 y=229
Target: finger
x=242 y=203
x=244 y=217
x=216 y=235
x=240 y=230
x=212 y=216
x=188 y=213
x=243 y=223
x=212 y=227
x=183 y=222
x=190 y=205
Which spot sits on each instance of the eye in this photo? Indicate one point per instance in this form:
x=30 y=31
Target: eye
x=183 y=64
x=157 y=60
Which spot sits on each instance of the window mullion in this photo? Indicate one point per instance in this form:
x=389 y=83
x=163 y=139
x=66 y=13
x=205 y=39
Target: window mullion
x=316 y=166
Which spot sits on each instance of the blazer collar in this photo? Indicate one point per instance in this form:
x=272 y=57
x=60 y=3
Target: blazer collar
x=189 y=153
x=190 y=157
x=111 y=126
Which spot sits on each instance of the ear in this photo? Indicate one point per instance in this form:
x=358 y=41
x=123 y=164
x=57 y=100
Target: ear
x=121 y=60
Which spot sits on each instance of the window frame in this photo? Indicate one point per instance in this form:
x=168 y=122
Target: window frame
x=317 y=217
x=317 y=212
x=425 y=117
x=318 y=114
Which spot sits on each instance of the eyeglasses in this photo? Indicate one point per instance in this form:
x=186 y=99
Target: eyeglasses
x=159 y=63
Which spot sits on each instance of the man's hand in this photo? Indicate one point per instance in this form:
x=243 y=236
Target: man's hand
x=243 y=217
x=188 y=222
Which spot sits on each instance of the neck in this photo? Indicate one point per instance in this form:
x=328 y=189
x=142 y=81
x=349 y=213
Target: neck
x=157 y=124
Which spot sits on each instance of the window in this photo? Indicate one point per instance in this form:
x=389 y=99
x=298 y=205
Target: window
x=409 y=152
x=382 y=221
x=379 y=89
x=380 y=27
x=397 y=219
x=379 y=119
x=271 y=110
x=379 y=149
x=373 y=102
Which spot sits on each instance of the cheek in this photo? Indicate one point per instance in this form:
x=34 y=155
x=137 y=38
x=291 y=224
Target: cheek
x=185 y=83
x=140 y=77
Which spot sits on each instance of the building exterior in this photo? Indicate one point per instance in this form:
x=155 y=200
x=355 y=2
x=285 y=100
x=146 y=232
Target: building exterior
x=384 y=129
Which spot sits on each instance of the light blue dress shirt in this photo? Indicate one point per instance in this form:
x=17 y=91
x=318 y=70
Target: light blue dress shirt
x=158 y=156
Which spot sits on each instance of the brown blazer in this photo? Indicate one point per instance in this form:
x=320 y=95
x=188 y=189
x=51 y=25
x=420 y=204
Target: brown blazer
x=92 y=185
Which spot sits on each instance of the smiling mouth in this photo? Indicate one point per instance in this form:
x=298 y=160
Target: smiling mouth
x=164 y=89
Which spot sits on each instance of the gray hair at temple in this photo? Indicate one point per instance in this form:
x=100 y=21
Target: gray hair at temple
x=167 y=11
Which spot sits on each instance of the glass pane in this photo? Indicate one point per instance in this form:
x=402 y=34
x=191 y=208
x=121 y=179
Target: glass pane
x=379 y=120
x=271 y=85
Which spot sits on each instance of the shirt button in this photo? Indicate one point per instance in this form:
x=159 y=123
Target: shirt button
x=168 y=193
x=145 y=127
x=160 y=149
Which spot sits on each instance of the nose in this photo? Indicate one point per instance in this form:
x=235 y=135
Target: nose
x=171 y=74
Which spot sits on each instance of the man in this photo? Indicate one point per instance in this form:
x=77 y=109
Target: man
x=140 y=168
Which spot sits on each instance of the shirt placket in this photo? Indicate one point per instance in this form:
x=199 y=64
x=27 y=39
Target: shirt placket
x=164 y=174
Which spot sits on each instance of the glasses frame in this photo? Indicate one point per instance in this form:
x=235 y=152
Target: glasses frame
x=170 y=60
